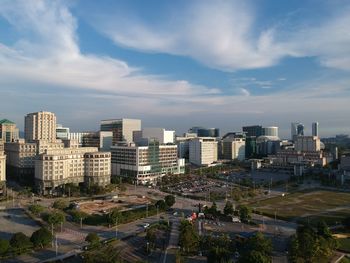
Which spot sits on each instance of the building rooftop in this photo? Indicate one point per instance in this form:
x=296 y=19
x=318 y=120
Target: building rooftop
x=6 y=121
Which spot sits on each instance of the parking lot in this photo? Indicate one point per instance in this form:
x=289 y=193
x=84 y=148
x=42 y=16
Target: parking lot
x=259 y=177
x=15 y=220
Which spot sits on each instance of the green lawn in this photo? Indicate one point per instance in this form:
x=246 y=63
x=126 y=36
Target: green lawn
x=311 y=206
x=345 y=260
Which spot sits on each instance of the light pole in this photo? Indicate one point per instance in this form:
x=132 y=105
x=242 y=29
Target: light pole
x=81 y=222
x=116 y=228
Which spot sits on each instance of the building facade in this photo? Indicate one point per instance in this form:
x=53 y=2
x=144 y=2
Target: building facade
x=296 y=129
x=8 y=131
x=146 y=164
x=234 y=148
x=55 y=168
x=271 y=131
x=203 y=151
x=307 y=144
x=2 y=165
x=255 y=130
x=315 y=129
x=40 y=126
x=62 y=132
x=122 y=129
x=162 y=135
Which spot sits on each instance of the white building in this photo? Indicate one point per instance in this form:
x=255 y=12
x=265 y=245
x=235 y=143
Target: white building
x=40 y=126
x=307 y=144
x=162 y=135
x=62 y=132
x=146 y=164
x=203 y=151
x=233 y=148
x=122 y=129
x=183 y=145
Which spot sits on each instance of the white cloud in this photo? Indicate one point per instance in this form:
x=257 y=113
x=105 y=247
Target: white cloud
x=224 y=35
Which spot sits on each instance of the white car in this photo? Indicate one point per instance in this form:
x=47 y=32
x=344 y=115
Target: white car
x=145 y=225
x=236 y=220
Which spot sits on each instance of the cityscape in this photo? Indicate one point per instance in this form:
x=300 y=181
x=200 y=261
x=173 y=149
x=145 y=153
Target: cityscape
x=181 y=131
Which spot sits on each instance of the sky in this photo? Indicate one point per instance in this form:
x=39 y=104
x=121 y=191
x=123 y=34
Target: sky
x=178 y=64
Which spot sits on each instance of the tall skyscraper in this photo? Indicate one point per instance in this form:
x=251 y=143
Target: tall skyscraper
x=315 y=129
x=123 y=129
x=255 y=130
x=297 y=129
x=40 y=126
x=8 y=131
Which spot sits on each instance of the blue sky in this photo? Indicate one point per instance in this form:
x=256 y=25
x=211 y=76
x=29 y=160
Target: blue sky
x=177 y=64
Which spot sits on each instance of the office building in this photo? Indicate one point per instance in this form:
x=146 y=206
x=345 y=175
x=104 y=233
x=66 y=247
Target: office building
x=205 y=132
x=297 y=129
x=162 y=135
x=122 y=129
x=183 y=145
x=250 y=147
x=203 y=151
x=255 y=130
x=307 y=144
x=233 y=148
x=271 y=131
x=8 y=131
x=146 y=164
x=2 y=165
x=55 y=168
x=40 y=126
x=315 y=129
x=62 y=132
x=267 y=145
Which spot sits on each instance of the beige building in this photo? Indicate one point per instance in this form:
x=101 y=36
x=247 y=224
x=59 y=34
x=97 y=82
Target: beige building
x=146 y=164
x=8 y=131
x=40 y=126
x=203 y=151
x=2 y=165
x=55 y=168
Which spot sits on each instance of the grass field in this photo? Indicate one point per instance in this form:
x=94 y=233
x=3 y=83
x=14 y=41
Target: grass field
x=311 y=206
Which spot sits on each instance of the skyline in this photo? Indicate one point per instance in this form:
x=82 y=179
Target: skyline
x=177 y=65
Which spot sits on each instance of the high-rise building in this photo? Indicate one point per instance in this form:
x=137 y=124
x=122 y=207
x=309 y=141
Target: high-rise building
x=203 y=151
x=205 y=132
x=255 y=130
x=40 y=126
x=123 y=129
x=307 y=144
x=233 y=148
x=271 y=131
x=250 y=147
x=315 y=129
x=297 y=129
x=2 y=165
x=8 y=131
x=146 y=164
x=162 y=135
x=62 y=132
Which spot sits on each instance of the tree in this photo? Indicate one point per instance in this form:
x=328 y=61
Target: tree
x=244 y=213
x=60 y=204
x=4 y=246
x=323 y=230
x=20 y=242
x=36 y=209
x=108 y=254
x=254 y=257
x=41 y=237
x=228 y=209
x=161 y=205
x=93 y=239
x=169 y=200
x=188 y=240
x=114 y=216
x=55 y=218
x=259 y=243
x=213 y=210
x=218 y=255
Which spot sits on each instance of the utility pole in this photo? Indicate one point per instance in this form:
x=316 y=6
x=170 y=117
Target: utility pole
x=56 y=245
x=116 y=228
x=158 y=213
x=52 y=234
x=81 y=223
x=147 y=210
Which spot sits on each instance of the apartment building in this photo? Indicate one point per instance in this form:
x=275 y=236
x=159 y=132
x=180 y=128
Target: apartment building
x=40 y=126
x=122 y=129
x=8 y=131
